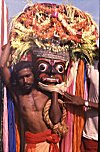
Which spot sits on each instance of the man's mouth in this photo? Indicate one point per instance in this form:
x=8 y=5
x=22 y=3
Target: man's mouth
x=27 y=86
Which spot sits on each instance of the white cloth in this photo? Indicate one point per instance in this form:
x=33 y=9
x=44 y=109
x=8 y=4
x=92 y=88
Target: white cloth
x=91 y=115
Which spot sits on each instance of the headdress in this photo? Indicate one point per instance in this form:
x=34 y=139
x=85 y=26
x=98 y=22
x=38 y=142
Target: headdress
x=53 y=31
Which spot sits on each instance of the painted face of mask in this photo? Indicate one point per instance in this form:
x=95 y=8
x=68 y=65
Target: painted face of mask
x=49 y=71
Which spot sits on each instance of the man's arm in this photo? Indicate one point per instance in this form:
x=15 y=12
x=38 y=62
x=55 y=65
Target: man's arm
x=69 y=98
x=5 y=73
x=78 y=101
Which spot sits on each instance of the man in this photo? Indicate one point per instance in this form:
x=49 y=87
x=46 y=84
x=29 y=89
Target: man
x=90 y=131
x=29 y=100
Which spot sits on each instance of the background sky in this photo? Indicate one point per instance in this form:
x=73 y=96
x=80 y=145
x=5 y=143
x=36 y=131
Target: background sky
x=90 y=6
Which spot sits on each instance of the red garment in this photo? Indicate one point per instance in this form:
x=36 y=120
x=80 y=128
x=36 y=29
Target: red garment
x=89 y=145
x=33 y=139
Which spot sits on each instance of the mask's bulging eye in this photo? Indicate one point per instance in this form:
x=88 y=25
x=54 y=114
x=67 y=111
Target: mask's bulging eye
x=42 y=67
x=60 y=68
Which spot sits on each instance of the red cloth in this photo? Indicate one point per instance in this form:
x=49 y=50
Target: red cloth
x=89 y=145
x=33 y=139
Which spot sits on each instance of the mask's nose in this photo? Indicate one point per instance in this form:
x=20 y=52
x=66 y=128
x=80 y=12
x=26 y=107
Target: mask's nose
x=52 y=71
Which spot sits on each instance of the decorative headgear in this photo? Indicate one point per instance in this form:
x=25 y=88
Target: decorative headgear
x=53 y=31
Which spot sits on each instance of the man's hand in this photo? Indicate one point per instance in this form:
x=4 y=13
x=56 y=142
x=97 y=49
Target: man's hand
x=74 y=100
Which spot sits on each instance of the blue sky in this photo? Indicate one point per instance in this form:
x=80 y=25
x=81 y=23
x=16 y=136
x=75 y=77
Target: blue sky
x=90 y=6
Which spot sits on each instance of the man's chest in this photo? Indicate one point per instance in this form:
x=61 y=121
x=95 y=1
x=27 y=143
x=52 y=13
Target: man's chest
x=33 y=102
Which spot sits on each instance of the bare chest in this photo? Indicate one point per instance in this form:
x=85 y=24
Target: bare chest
x=34 y=101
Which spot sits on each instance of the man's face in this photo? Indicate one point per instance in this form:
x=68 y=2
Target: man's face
x=25 y=79
x=49 y=71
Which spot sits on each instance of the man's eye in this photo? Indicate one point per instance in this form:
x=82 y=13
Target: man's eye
x=42 y=67
x=28 y=75
x=60 y=68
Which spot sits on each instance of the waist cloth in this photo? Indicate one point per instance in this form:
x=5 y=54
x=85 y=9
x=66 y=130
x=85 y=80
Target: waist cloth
x=41 y=142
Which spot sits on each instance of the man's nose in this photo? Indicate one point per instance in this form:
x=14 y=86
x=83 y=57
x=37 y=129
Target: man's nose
x=25 y=79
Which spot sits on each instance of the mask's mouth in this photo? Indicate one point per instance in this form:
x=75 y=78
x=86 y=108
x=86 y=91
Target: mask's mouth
x=47 y=80
x=60 y=88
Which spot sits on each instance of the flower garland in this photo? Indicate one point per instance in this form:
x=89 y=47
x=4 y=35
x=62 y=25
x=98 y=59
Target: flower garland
x=53 y=27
